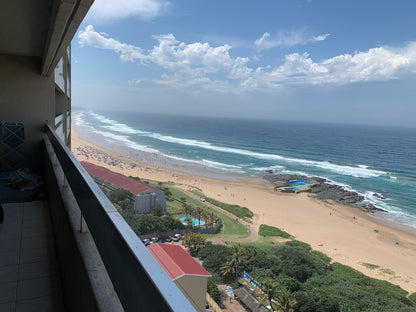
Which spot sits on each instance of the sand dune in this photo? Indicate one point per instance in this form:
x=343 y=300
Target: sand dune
x=345 y=234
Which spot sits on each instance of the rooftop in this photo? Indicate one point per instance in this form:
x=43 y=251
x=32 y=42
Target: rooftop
x=134 y=186
x=176 y=261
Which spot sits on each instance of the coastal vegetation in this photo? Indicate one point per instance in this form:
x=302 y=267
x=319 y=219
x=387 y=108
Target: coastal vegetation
x=147 y=224
x=120 y=198
x=293 y=276
x=267 y=230
x=179 y=203
x=303 y=280
x=194 y=241
x=238 y=211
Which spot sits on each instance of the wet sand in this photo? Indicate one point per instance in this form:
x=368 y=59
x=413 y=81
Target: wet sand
x=346 y=234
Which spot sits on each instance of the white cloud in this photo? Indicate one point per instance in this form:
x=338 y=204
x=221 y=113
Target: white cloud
x=90 y=37
x=143 y=9
x=193 y=60
x=287 y=39
x=134 y=81
x=202 y=66
x=320 y=37
x=377 y=64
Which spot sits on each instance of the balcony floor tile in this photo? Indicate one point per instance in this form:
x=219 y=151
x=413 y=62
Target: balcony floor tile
x=29 y=276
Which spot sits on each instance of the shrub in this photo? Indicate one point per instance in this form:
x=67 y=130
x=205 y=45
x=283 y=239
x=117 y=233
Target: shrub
x=118 y=195
x=213 y=290
x=267 y=230
x=156 y=210
x=296 y=243
x=321 y=256
x=214 y=256
x=148 y=224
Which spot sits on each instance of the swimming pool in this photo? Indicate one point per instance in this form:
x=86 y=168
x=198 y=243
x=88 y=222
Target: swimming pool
x=299 y=182
x=195 y=222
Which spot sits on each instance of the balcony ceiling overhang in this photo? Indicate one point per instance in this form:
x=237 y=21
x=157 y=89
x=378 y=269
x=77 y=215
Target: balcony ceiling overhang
x=41 y=28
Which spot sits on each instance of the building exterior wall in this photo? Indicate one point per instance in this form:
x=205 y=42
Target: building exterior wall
x=144 y=201
x=24 y=91
x=194 y=288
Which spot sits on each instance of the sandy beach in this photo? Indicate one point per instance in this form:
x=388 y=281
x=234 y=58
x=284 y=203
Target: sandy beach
x=345 y=234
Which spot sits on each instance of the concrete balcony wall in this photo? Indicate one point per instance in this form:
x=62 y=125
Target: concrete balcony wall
x=86 y=285
x=138 y=281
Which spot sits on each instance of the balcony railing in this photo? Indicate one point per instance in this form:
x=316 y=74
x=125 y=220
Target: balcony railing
x=139 y=281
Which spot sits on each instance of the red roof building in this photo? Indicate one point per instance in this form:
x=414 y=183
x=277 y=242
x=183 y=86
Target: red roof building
x=121 y=181
x=188 y=275
x=145 y=196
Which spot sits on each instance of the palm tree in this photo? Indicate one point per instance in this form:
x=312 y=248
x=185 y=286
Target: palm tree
x=199 y=212
x=187 y=209
x=269 y=289
x=283 y=301
x=206 y=218
x=212 y=218
x=233 y=264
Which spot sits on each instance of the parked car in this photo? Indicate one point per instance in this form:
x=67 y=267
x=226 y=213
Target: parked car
x=155 y=239
x=146 y=242
x=177 y=237
x=202 y=199
x=168 y=239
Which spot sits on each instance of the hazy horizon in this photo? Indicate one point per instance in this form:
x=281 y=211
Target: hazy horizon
x=292 y=61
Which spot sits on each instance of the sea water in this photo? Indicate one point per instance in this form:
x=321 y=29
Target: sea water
x=366 y=159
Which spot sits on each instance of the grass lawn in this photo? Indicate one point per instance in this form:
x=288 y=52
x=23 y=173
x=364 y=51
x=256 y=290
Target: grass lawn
x=230 y=228
x=238 y=211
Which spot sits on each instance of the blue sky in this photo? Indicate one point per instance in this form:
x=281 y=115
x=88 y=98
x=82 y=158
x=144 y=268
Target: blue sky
x=323 y=61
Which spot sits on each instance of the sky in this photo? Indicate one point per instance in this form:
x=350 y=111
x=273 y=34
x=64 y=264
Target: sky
x=301 y=60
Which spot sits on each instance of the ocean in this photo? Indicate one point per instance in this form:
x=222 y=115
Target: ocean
x=365 y=159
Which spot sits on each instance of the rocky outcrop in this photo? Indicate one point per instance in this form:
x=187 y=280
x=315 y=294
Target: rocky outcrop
x=325 y=191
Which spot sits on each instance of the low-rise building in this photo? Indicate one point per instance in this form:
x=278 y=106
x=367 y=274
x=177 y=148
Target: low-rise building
x=144 y=196
x=187 y=274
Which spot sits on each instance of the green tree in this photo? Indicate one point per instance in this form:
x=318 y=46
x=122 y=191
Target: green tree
x=156 y=210
x=213 y=290
x=198 y=213
x=214 y=256
x=194 y=241
x=270 y=289
x=118 y=195
x=233 y=264
x=187 y=209
x=283 y=301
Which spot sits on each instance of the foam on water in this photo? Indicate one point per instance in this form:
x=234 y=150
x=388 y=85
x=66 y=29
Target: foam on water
x=78 y=119
x=361 y=171
x=215 y=163
x=248 y=159
x=273 y=168
x=126 y=141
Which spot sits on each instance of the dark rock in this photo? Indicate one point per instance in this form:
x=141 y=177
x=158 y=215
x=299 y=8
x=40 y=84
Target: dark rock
x=369 y=208
x=325 y=191
x=379 y=196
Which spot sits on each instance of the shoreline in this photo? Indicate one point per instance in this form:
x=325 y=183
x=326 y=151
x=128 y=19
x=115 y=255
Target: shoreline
x=345 y=234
